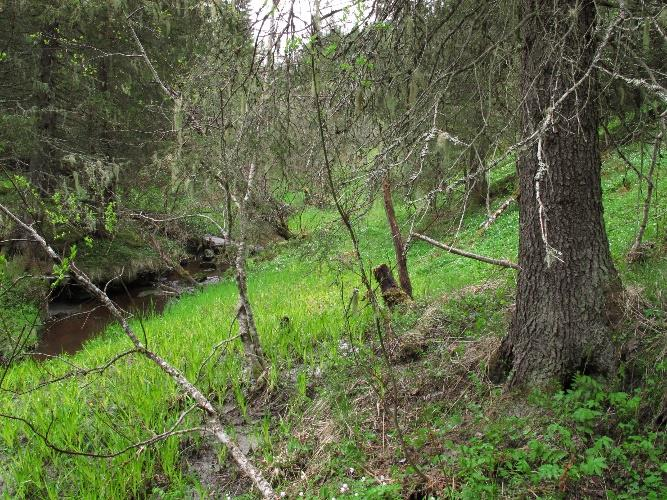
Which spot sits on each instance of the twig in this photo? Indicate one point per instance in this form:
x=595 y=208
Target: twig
x=79 y=372
x=378 y=316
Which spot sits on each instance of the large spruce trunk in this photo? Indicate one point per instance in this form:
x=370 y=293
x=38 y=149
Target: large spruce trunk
x=566 y=302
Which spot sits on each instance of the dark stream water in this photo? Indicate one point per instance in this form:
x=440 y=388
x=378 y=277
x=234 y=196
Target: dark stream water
x=71 y=322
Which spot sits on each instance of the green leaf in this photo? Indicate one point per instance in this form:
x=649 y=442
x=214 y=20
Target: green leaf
x=593 y=466
x=330 y=49
x=583 y=415
x=550 y=471
x=61 y=270
x=604 y=442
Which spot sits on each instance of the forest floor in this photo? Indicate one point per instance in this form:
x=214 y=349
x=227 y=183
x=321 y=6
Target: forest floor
x=325 y=427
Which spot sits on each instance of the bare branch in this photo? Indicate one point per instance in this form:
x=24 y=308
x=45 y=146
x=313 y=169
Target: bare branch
x=463 y=253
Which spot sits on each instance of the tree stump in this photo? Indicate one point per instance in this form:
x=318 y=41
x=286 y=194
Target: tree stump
x=392 y=294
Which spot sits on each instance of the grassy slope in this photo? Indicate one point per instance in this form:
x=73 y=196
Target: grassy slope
x=303 y=282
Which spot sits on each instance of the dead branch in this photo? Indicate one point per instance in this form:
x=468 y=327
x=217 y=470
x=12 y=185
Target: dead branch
x=463 y=253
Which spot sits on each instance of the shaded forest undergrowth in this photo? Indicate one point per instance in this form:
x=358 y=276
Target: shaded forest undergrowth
x=325 y=425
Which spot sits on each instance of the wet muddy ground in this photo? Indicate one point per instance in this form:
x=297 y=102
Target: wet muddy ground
x=72 y=321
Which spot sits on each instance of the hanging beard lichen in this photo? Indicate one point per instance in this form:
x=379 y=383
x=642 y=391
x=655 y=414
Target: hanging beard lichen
x=416 y=82
x=178 y=123
x=174 y=159
x=620 y=90
x=80 y=192
x=441 y=143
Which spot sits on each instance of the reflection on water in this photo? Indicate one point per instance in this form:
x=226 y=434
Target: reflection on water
x=70 y=324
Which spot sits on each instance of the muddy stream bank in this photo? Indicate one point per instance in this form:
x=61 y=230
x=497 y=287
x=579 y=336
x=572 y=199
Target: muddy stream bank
x=72 y=319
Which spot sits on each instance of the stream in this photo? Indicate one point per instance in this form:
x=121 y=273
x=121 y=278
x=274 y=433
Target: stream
x=72 y=321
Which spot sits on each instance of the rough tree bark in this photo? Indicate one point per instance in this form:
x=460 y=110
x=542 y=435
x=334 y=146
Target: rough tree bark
x=399 y=246
x=568 y=288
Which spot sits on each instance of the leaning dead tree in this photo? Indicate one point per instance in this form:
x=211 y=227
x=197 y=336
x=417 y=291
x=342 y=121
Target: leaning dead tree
x=213 y=426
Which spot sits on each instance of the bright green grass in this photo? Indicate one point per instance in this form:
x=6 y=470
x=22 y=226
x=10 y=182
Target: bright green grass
x=309 y=281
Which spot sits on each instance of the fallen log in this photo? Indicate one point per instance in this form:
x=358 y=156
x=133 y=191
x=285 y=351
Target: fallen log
x=463 y=253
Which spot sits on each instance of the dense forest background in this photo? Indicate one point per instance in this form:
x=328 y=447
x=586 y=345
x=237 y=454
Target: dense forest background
x=389 y=249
